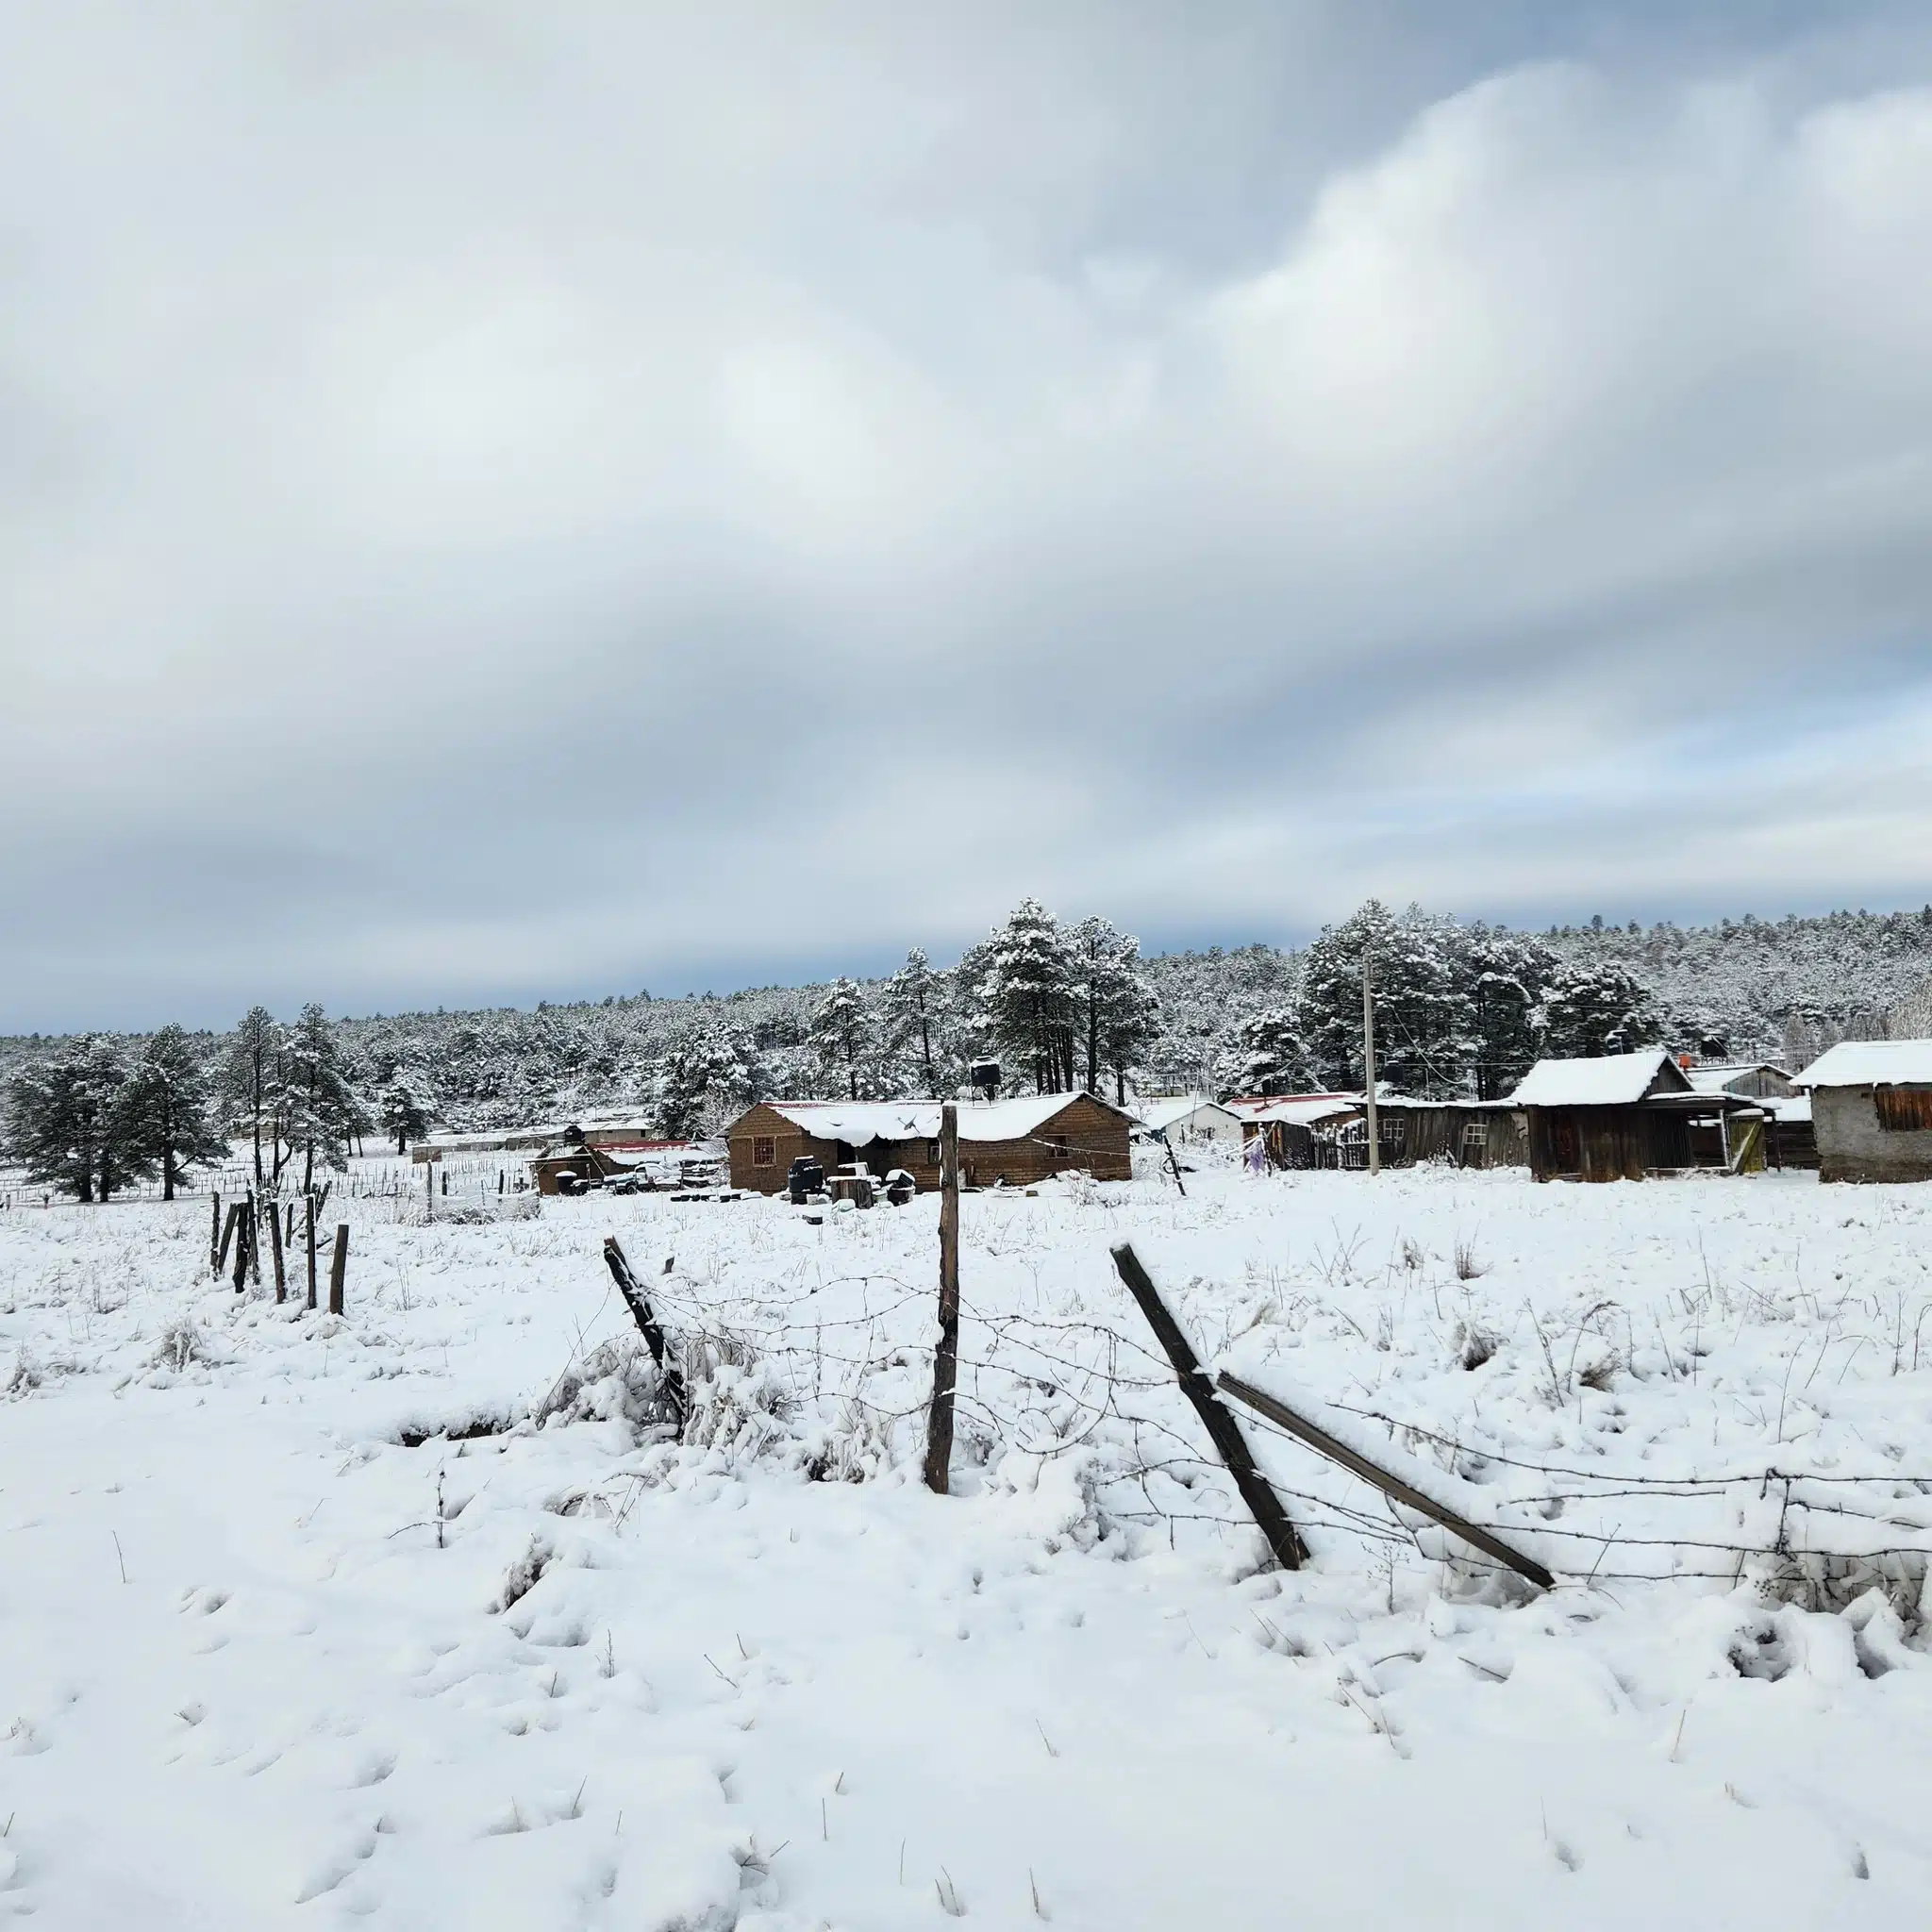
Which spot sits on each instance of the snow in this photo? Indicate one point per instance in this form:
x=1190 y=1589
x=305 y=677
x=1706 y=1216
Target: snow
x=1870 y=1063
x=1298 y=1110
x=1615 y=1080
x=859 y=1123
x=761 y=1678
x=1157 y=1116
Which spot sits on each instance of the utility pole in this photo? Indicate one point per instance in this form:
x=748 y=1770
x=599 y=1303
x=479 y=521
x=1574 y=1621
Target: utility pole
x=1369 y=1060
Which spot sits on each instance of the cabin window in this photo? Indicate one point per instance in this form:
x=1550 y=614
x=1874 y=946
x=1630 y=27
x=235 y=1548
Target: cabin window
x=932 y=1154
x=1903 y=1109
x=764 y=1150
x=1475 y=1133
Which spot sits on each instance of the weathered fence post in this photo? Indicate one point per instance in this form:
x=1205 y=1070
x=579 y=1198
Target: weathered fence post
x=229 y=1229
x=670 y=1376
x=338 y=1268
x=244 y=1234
x=1223 y=1430
x=308 y=1219
x=1318 y=1439
x=274 y=1236
x=429 y=1190
x=946 y=1357
x=214 y=1235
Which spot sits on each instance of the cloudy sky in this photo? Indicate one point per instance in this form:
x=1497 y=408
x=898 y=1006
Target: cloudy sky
x=514 y=501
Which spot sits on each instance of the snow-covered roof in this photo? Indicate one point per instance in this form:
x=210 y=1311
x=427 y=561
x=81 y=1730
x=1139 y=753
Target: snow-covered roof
x=859 y=1123
x=1870 y=1063
x=1716 y=1076
x=1159 y=1115
x=1296 y=1109
x=1617 y=1079
x=1794 y=1112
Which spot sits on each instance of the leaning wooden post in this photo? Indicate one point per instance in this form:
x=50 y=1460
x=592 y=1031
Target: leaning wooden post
x=338 y=1268
x=945 y=1358
x=1223 y=1430
x=670 y=1376
x=275 y=1237
x=229 y=1228
x=309 y=1220
x=214 y=1235
x=244 y=1234
x=1318 y=1439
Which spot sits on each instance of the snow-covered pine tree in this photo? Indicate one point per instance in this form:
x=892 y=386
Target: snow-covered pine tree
x=68 y=1122
x=704 y=1077
x=1422 y=1008
x=914 y=999
x=1507 y=973
x=1268 y=1055
x=843 y=1032
x=1118 y=1012
x=251 y=1085
x=1027 y=994
x=321 y=1111
x=1588 y=1011
x=170 y=1107
x=405 y=1105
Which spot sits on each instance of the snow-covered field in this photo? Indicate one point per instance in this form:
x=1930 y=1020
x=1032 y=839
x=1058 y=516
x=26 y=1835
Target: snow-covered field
x=281 y=1643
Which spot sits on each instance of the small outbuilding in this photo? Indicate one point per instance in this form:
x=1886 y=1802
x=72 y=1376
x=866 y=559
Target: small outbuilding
x=1748 y=1079
x=1018 y=1142
x=1627 y=1115
x=1179 y=1118
x=1872 y=1110
x=1458 y=1133
x=1300 y=1130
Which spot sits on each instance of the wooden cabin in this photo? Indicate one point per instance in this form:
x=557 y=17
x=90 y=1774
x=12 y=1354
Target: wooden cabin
x=1623 y=1116
x=1456 y=1133
x=1016 y=1141
x=1872 y=1110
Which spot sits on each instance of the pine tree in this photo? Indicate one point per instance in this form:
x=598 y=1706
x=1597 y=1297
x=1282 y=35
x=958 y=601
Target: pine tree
x=170 y=1107
x=1268 y=1054
x=1589 y=1012
x=321 y=1110
x=842 y=1032
x=405 y=1105
x=913 y=998
x=253 y=1085
x=1508 y=976
x=1027 y=990
x=1423 y=1018
x=69 y=1124
x=705 y=1076
x=1119 y=1014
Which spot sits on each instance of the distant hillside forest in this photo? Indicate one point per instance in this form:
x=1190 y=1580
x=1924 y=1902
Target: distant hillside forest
x=1460 y=1007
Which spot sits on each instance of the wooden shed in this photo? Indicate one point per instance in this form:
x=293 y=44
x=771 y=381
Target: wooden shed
x=1872 y=1110
x=1300 y=1130
x=1017 y=1141
x=1623 y=1116
x=1458 y=1133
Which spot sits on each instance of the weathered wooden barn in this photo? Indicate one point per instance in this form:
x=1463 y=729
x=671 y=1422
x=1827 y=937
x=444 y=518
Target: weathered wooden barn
x=1872 y=1110
x=1017 y=1141
x=1627 y=1115
x=1748 y=1079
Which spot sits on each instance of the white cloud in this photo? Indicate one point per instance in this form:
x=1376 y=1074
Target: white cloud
x=577 y=504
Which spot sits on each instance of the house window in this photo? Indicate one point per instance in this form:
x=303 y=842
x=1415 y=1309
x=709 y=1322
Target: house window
x=932 y=1154
x=1475 y=1133
x=1903 y=1109
x=764 y=1150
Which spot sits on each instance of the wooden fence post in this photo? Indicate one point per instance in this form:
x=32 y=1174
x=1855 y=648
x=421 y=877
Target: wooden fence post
x=274 y=1236
x=945 y=1358
x=338 y=1268
x=214 y=1235
x=1356 y=1463
x=1223 y=1430
x=670 y=1376
x=308 y=1218
x=244 y=1234
x=229 y=1229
